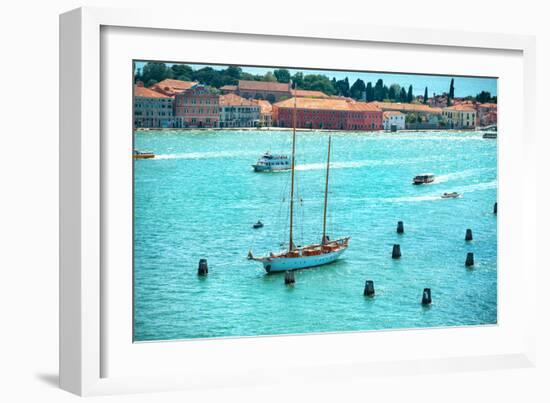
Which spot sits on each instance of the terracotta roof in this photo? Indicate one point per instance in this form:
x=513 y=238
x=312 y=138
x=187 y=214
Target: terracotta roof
x=403 y=107
x=465 y=108
x=265 y=106
x=235 y=100
x=174 y=85
x=488 y=105
x=327 y=104
x=143 y=92
x=309 y=94
x=262 y=86
x=229 y=88
x=392 y=113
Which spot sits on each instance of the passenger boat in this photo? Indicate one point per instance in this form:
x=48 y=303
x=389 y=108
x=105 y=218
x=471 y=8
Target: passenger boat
x=303 y=257
x=451 y=195
x=272 y=163
x=140 y=155
x=423 y=178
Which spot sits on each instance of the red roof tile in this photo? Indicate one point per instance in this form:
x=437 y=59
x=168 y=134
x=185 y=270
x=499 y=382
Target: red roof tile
x=245 y=85
x=143 y=92
x=327 y=104
x=235 y=100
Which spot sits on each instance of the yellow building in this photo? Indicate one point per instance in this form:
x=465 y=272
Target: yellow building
x=460 y=116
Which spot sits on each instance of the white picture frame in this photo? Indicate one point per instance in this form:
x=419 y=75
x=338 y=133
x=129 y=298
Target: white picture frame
x=88 y=348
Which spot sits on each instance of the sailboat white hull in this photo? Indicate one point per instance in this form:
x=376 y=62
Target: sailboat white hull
x=277 y=264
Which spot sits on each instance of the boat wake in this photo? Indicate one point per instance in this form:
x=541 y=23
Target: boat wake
x=437 y=196
x=461 y=175
x=357 y=164
x=206 y=155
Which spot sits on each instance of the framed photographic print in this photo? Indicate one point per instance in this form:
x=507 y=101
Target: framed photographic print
x=267 y=202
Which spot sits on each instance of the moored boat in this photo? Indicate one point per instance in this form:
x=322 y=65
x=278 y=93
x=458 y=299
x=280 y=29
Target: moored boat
x=490 y=135
x=423 y=179
x=143 y=155
x=271 y=163
x=451 y=195
x=303 y=257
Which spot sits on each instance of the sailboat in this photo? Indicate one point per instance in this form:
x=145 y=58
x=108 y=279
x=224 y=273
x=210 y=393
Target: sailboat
x=303 y=257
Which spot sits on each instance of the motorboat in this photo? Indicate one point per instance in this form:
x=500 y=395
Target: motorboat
x=451 y=195
x=141 y=155
x=258 y=224
x=272 y=163
x=490 y=135
x=423 y=179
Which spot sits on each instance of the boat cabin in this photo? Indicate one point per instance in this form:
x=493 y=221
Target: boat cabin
x=423 y=178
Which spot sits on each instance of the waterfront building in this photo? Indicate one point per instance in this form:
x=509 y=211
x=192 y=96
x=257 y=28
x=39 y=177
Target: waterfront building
x=198 y=106
x=487 y=114
x=236 y=111
x=266 y=112
x=393 y=120
x=460 y=116
x=270 y=91
x=326 y=113
x=152 y=109
x=172 y=87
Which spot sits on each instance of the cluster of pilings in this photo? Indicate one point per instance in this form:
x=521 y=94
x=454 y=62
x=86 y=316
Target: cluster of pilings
x=369 y=284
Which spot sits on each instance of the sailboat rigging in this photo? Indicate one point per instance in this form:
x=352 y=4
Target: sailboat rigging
x=303 y=257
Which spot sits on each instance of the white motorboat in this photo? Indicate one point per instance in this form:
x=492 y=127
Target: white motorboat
x=271 y=163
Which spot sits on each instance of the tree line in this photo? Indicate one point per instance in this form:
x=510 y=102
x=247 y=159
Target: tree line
x=154 y=72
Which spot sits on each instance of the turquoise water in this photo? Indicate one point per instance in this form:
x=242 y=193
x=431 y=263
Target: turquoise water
x=200 y=197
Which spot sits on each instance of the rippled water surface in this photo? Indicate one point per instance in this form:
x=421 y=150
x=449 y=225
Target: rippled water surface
x=199 y=198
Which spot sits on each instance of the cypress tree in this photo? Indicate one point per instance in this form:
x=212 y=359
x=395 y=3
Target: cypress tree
x=426 y=95
x=410 y=94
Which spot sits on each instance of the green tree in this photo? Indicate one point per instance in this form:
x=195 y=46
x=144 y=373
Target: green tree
x=269 y=76
x=425 y=100
x=484 y=96
x=182 y=72
x=394 y=91
x=410 y=94
x=317 y=82
x=451 y=94
x=153 y=72
x=298 y=79
x=369 y=92
x=282 y=75
x=342 y=87
x=403 y=95
x=380 y=91
x=357 y=90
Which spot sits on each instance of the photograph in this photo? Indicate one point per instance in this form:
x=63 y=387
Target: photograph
x=280 y=200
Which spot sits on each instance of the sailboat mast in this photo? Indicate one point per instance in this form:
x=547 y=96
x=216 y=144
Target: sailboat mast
x=291 y=243
x=323 y=239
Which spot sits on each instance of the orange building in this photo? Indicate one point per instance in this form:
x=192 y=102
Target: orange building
x=199 y=106
x=327 y=113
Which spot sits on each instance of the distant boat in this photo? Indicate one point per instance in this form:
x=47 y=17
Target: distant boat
x=451 y=195
x=140 y=155
x=272 y=163
x=490 y=135
x=258 y=224
x=303 y=257
x=423 y=179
